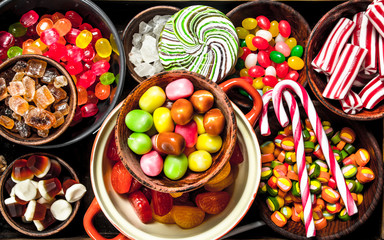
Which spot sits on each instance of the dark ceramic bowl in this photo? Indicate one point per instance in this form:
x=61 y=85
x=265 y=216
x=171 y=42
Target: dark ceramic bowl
x=12 y=10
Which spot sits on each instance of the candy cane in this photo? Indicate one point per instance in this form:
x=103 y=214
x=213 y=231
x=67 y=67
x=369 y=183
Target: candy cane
x=320 y=134
x=300 y=159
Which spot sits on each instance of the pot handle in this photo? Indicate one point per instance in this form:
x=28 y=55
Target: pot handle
x=94 y=209
x=253 y=115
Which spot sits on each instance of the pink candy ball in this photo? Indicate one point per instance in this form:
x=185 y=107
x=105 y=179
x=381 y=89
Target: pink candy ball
x=151 y=163
x=181 y=88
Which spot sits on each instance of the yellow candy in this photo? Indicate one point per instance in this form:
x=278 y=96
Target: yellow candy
x=258 y=83
x=291 y=42
x=267 y=147
x=83 y=39
x=295 y=63
x=240 y=52
x=266 y=89
x=209 y=143
x=248 y=41
x=249 y=23
x=360 y=198
x=199 y=121
x=103 y=47
x=199 y=161
x=162 y=120
x=176 y=194
x=274 y=28
x=286 y=211
x=38 y=43
x=242 y=32
x=244 y=72
x=153 y=98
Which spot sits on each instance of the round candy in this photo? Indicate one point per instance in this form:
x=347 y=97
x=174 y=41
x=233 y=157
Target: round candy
x=169 y=143
x=283 y=48
x=266 y=173
x=295 y=63
x=260 y=42
x=242 y=32
x=286 y=211
x=214 y=122
x=139 y=143
x=202 y=100
x=152 y=99
x=189 y=133
x=330 y=195
x=211 y=144
x=279 y=219
x=182 y=111
x=103 y=47
x=267 y=147
x=249 y=23
x=264 y=61
x=199 y=161
x=315 y=186
x=365 y=174
x=284 y=184
x=175 y=166
x=162 y=120
x=349 y=171
x=287 y=143
x=180 y=88
x=151 y=163
x=200 y=35
x=138 y=120
x=274 y=28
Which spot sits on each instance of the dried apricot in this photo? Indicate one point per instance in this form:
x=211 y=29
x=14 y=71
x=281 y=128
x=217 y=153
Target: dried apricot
x=212 y=202
x=187 y=216
x=217 y=187
x=167 y=218
x=222 y=174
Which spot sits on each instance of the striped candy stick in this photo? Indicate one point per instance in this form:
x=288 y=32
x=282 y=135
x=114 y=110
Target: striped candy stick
x=375 y=14
x=301 y=162
x=320 y=134
x=373 y=92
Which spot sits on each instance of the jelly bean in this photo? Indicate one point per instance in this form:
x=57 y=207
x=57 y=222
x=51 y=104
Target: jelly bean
x=189 y=133
x=240 y=64
x=103 y=47
x=280 y=38
x=182 y=111
x=264 y=34
x=7 y=40
x=169 y=143
x=291 y=42
x=256 y=71
x=175 y=166
x=151 y=163
x=295 y=63
x=75 y=18
x=277 y=57
x=153 y=98
x=284 y=28
x=270 y=70
x=244 y=72
x=263 y=59
x=102 y=91
x=251 y=60
x=258 y=83
x=260 y=43
x=211 y=144
x=17 y=30
x=263 y=22
x=138 y=120
x=199 y=121
x=180 y=88
x=248 y=42
x=63 y=26
x=214 y=122
x=269 y=80
x=162 y=120
x=293 y=75
x=14 y=51
x=139 y=143
x=199 y=161
x=283 y=48
x=242 y=32
x=89 y=110
x=202 y=101
x=246 y=52
x=29 y=18
x=107 y=78
x=297 y=51
x=249 y=23
x=282 y=69
x=274 y=28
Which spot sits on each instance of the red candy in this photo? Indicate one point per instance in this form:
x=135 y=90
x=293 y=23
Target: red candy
x=256 y=71
x=293 y=75
x=89 y=110
x=162 y=202
x=86 y=79
x=100 y=67
x=263 y=59
x=7 y=40
x=29 y=18
x=263 y=22
x=72 y=35
x=270 y=80
x=246 y=52
x=282 y=69
x=74 y=68
x=75 y=54
x=75 y=18
x=260 y=43
x=120 y=178
x=284 y=28
x=141 y=206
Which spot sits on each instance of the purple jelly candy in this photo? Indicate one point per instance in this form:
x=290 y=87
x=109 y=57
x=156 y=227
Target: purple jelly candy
x=100 y=67
x=49 y=36
x=89 y=110
x=180 y=88
x=74 y=68
x=75 y=54
x=7 y=40
x=72 y=35
x=86 y=79
x=29 y=18
x=75 y=18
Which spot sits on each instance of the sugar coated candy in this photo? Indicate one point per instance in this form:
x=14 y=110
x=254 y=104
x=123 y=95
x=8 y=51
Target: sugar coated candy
x=40 y=119
x=36 y=68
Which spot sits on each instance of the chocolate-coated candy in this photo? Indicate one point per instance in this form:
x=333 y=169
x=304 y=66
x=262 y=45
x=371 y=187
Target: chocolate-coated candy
x=20 y=171
x=138 y=120
x=39 y=165
x=182 y=111
x=202 y=101
x=181 y=88
x=189 y=133
x=169 y=143
x=214 y=122
x=175 y=166
x=151 y=163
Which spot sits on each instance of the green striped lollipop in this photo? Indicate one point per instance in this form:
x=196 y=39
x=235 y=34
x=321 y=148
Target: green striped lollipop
x=199 y=39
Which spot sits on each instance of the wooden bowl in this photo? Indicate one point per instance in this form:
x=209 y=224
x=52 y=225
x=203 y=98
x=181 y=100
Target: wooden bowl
x=190 y=180
x=317 y=81
x=29 y=228
x=54 y=133
x=372 y=191
x=275 y=11
x=133 y=27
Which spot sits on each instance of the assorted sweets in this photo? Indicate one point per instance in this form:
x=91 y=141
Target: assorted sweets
x=40 y=193
x=177 y=124
x=280 y=179
x=144 y=54
x=199 y=39
x=187 y=210
x=268 y=53
x=357 y=84
x=33 y=97
x=77 y=45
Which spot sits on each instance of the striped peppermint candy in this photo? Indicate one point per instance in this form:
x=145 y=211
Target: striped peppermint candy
x=375 y=14
x=315 y=121
x=352 y=103
x=365 y=36
x=345 y=73
x=373 y=92
x=326 y=59
x=380 y=55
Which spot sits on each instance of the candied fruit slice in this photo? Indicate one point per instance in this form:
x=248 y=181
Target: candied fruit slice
x=43 y=97
x=187 y=216
x=49 y=75
x=20 y=171
x=36 y=68
x=16 y=88
x=20 y=66
x=40 y=119
x=7 y=122
x=30 y=88
x=58 y=93
x=167 y=218
x=212 y=202
x=59 y=119
x=60 y=81
x=49 y=188
x=219 y=186
x=39 y=165
x=162 y=202
x=141 y=206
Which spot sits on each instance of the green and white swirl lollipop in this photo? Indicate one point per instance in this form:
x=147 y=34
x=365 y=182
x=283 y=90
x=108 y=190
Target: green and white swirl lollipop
x=200 y=39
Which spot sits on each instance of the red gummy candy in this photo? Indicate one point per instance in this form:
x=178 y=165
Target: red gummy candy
x=141 y=206
x=78 y=117
x=100 y=67
x=162 y=202
x=74 y=68
x=96 y=35
x=89 y=110
x=49 y=36
x=112 y=153
x=72 y=35
x=7 y=40
x=75 y=54
x=89 y=53
x=86 y=79
x=85 y=26
x=75 y=18
x=120 y=178
x=237 y=156
x=29 y=18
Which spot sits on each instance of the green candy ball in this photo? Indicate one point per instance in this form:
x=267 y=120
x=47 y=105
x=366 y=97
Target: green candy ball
x=139 y=121
x=139 y=143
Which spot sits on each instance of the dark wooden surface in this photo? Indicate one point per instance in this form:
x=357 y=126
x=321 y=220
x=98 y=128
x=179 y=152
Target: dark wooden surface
x=78 y=155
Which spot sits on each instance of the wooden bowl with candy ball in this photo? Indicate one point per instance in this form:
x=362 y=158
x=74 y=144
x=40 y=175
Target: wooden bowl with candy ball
x=191 y=180
x=372 y=191
x=133 y=28
x=318 y=81
x=30 y=135
x=29 y=228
